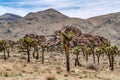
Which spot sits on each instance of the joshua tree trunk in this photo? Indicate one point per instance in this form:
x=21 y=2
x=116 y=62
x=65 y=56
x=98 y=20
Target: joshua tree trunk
x=13 y=48
x=37 y=53
x=67 y=61
x=86 y=57
x=109 y=57
x=8 y=52
x=28 y=54
x=77 y=61
x=93 y=56
x=112 y=62
x=4 y=55
x=84 y=54
x=43 y=55
x=98 y=59
x=47 y=49
x=34 y=53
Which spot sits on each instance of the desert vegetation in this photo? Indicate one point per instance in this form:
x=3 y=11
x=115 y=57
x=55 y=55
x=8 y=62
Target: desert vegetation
x=75 y=47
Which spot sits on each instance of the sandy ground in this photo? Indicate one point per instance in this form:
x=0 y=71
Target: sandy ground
x=17 y=68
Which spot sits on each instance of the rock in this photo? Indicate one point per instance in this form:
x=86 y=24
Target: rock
x=91 y=66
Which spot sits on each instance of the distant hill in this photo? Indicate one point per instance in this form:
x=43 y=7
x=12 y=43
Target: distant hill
x=48 y=16
x=47 y=21
x=9 y=16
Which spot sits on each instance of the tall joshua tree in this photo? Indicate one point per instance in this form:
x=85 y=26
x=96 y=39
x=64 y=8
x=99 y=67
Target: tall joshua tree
x=106 y=49
x=98 y=51
x=76 y=51
x=83 y=50
x=92 y=46
x=35 y=43
x=43 y=46
x=66 y=39
x=111 y=51
x=87 y=53
x=26 y=43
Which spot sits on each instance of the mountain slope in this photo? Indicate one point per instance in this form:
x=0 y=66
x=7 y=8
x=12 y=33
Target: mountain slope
x=32 y=23
x=47 y=21
x=107 y=26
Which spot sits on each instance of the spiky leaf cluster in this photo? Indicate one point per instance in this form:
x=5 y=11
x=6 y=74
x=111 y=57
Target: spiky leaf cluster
x=67 y=37
x=3 y=44
x=76 y=50
x=99 y=51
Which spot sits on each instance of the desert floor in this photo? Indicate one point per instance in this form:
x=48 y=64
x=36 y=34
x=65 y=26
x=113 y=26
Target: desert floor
x=17 y=68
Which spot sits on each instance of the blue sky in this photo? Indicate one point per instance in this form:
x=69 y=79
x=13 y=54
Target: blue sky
x=72 y=8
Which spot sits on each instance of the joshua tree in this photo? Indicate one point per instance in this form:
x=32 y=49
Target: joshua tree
x=9 y=44
x=76 y=51
x=66 y=39
x=111 y=51
x=105 y=49
x=43 y=46
x=87 y=53
x=3 y=46
x=83 y=50
x=8 y=50
x=35 y=43
x=98 y=51
x=92 y=46
x=26 y=43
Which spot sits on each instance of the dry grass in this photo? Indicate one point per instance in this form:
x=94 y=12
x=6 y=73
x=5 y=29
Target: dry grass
x=54 y=68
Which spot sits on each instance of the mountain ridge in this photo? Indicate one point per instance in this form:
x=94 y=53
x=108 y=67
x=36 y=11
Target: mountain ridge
x=47 y=21
x=9 y=16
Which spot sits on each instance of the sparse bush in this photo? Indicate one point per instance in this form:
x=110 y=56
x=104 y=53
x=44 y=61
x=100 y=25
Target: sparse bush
x=9 y=74
x=51 y=77
x=91 y=66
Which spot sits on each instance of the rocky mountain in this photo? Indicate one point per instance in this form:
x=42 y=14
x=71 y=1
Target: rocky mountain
x=107 y=26
x=47 y=21
x=6 y=18
x=9 y=16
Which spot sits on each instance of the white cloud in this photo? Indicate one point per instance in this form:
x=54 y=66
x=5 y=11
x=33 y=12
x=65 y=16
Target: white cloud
x=95 y=8
x=73 y=8
x=18 y=11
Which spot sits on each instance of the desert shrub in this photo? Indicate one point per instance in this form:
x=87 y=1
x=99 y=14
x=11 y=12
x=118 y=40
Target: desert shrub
x=9 y=74
x=51 y=77
x=91 y=66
